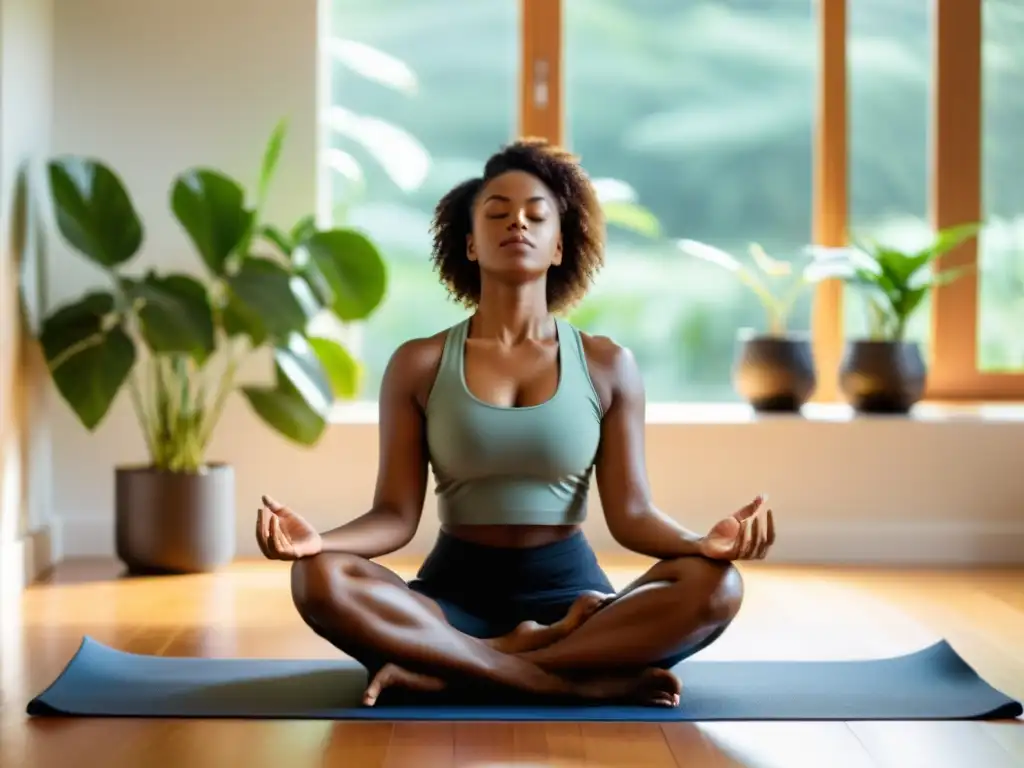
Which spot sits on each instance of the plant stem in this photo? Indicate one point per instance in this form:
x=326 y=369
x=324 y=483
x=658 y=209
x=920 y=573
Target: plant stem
x=74 y=349
x=224 y=389
x=900 y=329
x=140 y=414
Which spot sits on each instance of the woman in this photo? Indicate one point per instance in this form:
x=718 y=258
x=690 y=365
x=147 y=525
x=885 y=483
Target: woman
x=515 y=409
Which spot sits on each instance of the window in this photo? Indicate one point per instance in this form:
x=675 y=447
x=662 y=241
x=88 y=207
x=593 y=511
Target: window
x=711 y=120
x=889 y=63
x=1001 y=275
x=421 y=93
x=701 y=113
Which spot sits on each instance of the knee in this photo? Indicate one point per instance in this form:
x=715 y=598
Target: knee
x=319 y=584
x=713 y=588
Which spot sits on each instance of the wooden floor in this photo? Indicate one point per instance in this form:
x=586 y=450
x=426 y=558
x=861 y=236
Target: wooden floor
x=789 y=613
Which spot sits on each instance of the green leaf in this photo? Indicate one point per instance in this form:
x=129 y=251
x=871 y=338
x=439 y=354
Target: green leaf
x=74 y=323
x=949 y=238
x=304 y=228
x=343 y=371
x=211 y=208
x=633 y=217
x=239 y=320
x=176 y=315
x=299 y=406
x=88 y=360
x=299 y=370
x=730 y=263
x=280 y=240
x=896 y=266
x=94 y=212
x=947 y=276
x=350 y=265
x=271 y=155
x=287 y=413
x=909 y=302
x=263 y=289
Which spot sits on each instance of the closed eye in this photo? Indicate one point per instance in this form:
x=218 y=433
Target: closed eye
x=537 y=219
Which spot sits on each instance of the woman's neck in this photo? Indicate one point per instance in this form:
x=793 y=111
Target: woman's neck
x=512 y=313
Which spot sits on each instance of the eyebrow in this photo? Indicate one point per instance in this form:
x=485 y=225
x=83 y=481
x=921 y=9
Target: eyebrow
x=502 y=198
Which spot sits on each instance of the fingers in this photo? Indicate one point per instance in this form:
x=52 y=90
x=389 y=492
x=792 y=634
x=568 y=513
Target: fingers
x=280 y=544
x=767 y=537
x=271 y=539
x=743 y=539
x=276 y=507
x=754 y=538
x=751 y=509
x=261 y=536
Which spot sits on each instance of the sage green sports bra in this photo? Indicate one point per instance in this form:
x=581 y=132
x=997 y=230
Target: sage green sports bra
x=496 y=465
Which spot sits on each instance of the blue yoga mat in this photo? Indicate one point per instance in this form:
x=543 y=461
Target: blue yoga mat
x=931 y=684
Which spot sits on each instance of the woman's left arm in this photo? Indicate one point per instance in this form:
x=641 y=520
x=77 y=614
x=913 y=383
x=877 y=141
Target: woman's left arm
x=621 y=470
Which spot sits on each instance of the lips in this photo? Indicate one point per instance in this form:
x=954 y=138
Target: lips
x=515 y=240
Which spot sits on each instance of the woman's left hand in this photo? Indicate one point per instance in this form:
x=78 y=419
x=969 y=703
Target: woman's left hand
x=745 y=535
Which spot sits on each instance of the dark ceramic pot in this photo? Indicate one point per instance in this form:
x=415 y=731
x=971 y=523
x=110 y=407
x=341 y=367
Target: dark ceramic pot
x=774 y=374
x=882 y=376
x=171 y=522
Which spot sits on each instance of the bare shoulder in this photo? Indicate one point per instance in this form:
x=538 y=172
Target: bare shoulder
x=413 y=366
x=613 y=368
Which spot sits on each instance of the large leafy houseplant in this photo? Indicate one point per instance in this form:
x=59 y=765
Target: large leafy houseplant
x=176 y=342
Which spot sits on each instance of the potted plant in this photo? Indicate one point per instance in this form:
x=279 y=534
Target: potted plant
x=175 y=343
x=773 y=369
x=886 y=372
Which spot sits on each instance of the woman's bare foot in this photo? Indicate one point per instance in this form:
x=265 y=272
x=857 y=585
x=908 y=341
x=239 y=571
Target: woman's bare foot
x=653 y=687
x=394 y=676
x=529 y=636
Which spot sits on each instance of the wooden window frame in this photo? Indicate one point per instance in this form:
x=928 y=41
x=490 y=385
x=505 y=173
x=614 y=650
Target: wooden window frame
x=955 y=182
x=956 y=198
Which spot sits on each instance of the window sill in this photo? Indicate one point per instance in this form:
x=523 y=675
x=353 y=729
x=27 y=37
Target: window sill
x=365 y=412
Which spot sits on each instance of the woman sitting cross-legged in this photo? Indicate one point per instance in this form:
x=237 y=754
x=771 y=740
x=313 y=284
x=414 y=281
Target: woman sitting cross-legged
x=514 y=409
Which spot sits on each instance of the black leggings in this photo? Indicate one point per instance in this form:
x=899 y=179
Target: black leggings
x=488 y=591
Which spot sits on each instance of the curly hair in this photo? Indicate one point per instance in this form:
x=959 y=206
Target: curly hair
x=582 y=222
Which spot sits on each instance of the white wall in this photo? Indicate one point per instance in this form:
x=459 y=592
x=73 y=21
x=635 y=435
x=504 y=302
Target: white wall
x=154 y=87
x=26 y=76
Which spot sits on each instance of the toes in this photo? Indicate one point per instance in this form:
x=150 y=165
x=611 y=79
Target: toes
x=589 y=603
x=393 y=675
x=378 y=684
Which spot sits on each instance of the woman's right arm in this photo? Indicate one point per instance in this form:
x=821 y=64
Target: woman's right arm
x=401 y=488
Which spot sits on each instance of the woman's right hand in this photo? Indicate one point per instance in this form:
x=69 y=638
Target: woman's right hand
x=284 y=535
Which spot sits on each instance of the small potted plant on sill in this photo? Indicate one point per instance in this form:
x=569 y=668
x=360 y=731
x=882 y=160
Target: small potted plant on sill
x=773 y=370
x=886 y=372
x=175 y=343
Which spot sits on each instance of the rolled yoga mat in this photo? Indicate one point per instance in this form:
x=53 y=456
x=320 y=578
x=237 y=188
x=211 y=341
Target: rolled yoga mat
x=931 y=684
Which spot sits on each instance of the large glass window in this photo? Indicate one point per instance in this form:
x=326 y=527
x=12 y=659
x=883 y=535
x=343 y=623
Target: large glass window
x=421 y=93
x=889 y=55
x=696 y=119
x=1001 y=257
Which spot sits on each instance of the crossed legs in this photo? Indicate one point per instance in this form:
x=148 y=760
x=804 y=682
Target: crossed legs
x=606 y=649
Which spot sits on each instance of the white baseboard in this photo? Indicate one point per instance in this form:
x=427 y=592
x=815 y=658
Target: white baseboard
x=903 y=544
x=84 y=537
x=893 y=544
x=25 y=560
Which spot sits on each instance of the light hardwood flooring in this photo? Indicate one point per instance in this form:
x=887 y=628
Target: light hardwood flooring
x=790 y=612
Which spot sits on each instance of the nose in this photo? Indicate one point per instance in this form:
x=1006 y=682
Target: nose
x=519 y=220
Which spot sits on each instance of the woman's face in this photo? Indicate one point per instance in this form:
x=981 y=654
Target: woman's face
x=517 y=233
